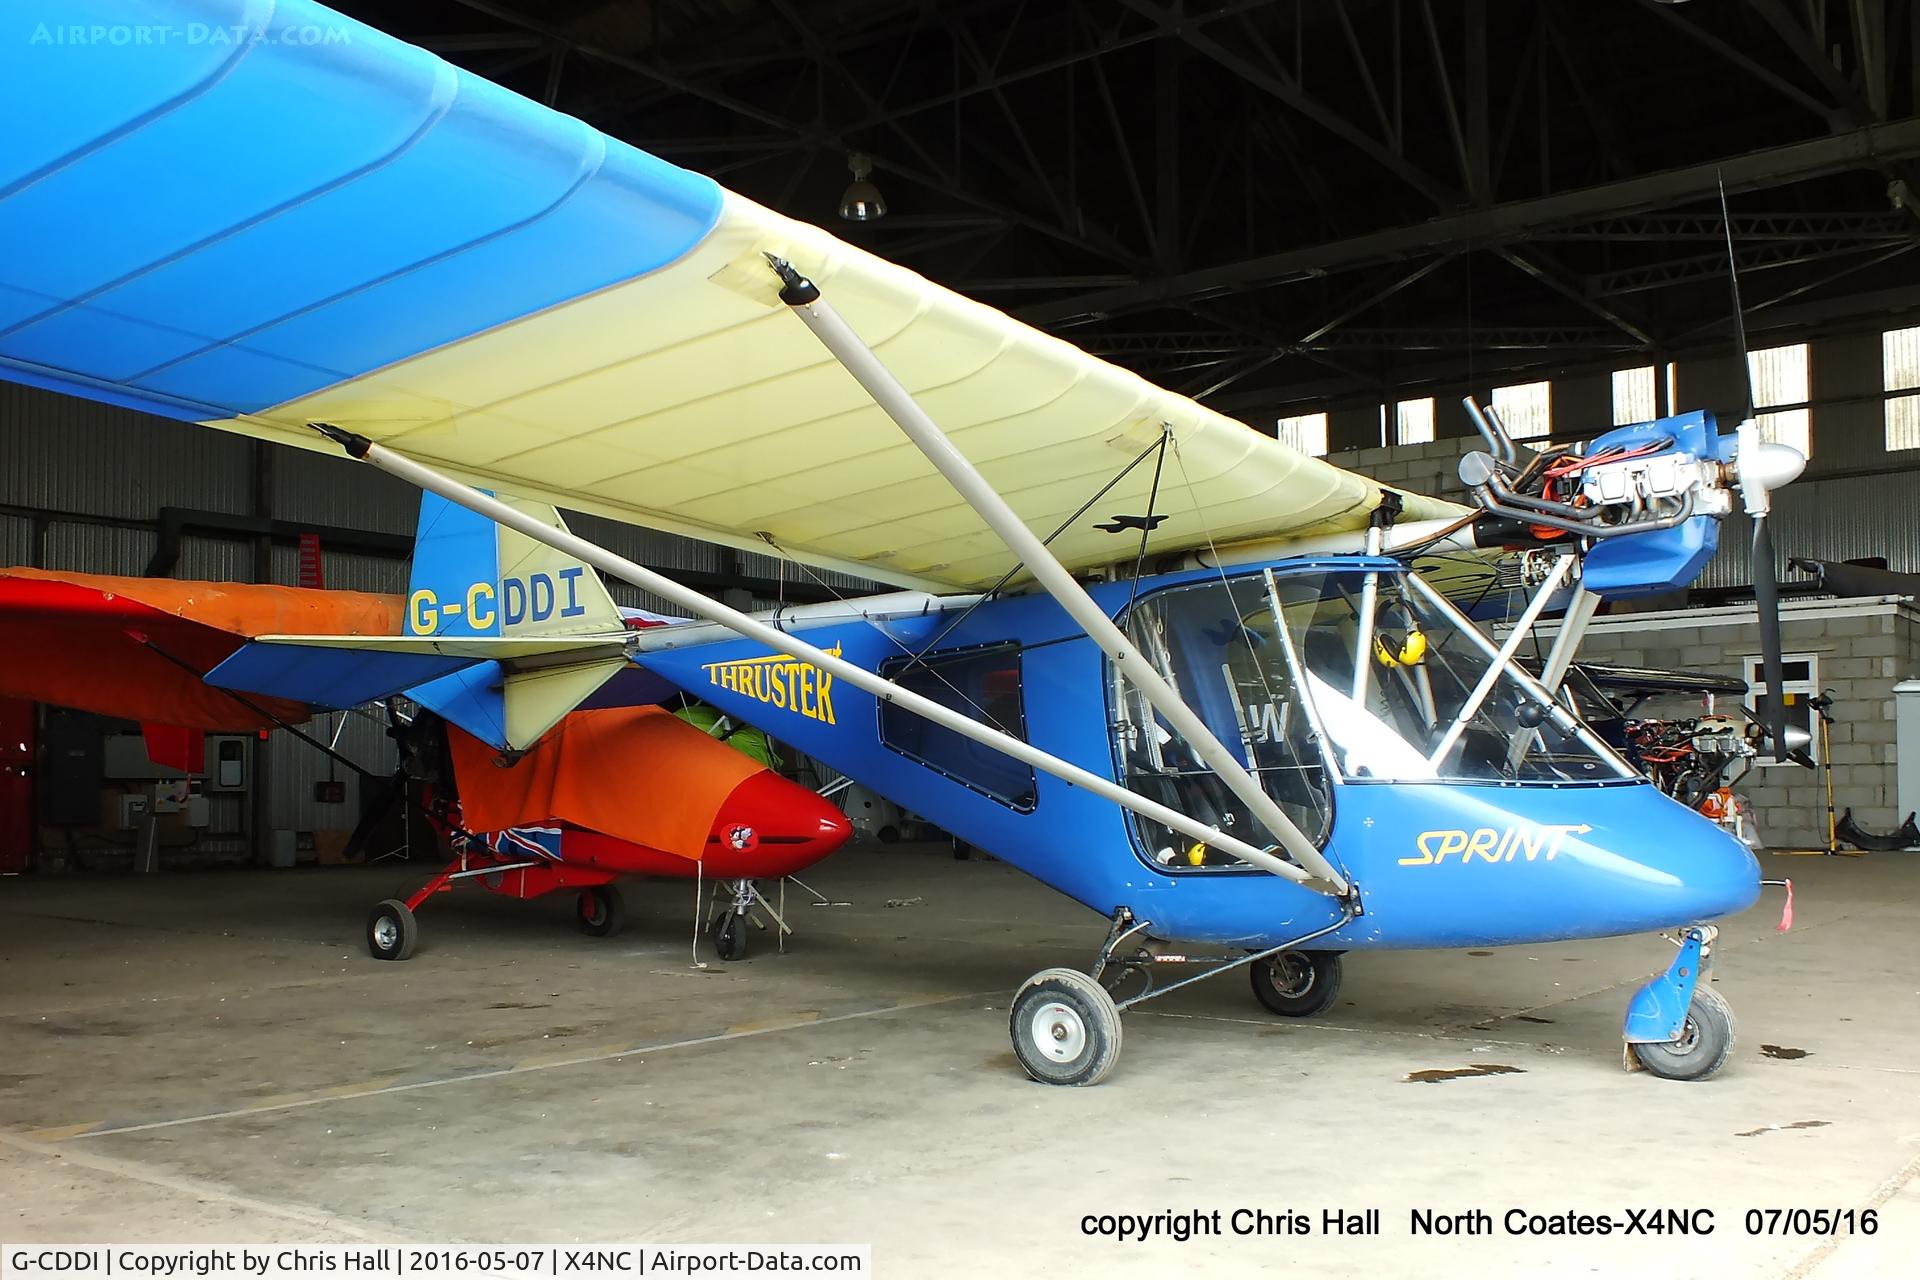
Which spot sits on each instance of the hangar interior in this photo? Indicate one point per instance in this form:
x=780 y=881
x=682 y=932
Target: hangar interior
x=1331 y=220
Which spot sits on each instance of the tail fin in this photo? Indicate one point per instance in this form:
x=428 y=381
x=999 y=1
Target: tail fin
x=472 y=577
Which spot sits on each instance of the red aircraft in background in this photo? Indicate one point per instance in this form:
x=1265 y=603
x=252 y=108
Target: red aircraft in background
x=607 y=792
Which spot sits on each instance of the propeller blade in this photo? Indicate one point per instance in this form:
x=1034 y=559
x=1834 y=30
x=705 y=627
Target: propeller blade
x=1739 y=314
x=1766 y=595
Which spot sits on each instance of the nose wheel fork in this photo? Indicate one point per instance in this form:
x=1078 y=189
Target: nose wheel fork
x=737 y=906
x=1678 y=1027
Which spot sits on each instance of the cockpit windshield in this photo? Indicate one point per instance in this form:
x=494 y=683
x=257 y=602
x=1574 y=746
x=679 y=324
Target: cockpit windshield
x=1405 y=689
x=1363 y=674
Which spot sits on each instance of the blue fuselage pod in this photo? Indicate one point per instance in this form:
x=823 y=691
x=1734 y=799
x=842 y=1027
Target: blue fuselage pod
x=1567 y=847
x=1452 y=865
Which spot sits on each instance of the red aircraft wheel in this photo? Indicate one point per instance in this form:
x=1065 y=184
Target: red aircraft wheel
x=392 y=930
x=599 y=911
x=1297 y=984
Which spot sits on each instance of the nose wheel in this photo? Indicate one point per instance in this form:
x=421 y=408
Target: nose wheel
x=729 y=935
x=1677 y=1027
x=1705 y=1043
x=740 y=903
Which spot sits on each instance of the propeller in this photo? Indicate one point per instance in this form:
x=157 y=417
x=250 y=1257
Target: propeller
x=1761 y=467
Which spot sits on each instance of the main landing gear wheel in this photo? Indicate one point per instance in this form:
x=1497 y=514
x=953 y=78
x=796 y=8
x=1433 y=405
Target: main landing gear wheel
x=729 y=935
x=1065 y=1028
x=599 y=911
x=1297 y=984
x=392 y=930
x=1705 y=1043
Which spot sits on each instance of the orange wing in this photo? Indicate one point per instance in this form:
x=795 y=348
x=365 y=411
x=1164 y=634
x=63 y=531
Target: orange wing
x=136 y=648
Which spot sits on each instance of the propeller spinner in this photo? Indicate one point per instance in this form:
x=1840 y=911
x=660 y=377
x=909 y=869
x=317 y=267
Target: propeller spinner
x=1762 y=466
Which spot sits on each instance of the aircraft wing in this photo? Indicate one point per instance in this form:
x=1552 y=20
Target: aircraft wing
x=139 y=648
x=315 y=221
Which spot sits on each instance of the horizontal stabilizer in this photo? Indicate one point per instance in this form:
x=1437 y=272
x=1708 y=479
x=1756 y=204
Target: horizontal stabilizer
x=506 y=691
x=330 y=676
x=508 y=649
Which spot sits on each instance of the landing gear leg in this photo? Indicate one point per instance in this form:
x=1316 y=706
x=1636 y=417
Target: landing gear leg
x=1677 y=1026
x=392 y=929
x=1065 y=1024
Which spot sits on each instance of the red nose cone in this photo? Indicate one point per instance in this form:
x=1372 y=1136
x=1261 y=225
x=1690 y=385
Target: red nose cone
x=771 y=827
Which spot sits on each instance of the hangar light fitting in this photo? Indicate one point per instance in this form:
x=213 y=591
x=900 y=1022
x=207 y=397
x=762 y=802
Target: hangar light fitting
x=862 y=201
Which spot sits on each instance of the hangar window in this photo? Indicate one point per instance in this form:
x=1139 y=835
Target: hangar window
x=1526 y=408
x=1633 y=398
x=1800 y=679
x=1900 y=370
x=981 y=683
x=1306 y=432
x=1413 y=421
x=1780 y=378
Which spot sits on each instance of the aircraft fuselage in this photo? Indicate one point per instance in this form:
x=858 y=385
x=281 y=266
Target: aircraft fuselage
x=1567 y=845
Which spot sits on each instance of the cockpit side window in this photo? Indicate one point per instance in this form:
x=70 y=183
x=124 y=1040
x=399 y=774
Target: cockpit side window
x=1216 y=644
x=983 y=683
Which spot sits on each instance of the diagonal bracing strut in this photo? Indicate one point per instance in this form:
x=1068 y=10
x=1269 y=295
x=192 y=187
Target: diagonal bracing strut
x=838 y=337
x=741 y=624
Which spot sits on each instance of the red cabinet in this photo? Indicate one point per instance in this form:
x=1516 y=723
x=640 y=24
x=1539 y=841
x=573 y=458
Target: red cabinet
x=16 y=784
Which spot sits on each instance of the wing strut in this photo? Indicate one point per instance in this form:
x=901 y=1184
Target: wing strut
x=780 y=642
x=859 y=360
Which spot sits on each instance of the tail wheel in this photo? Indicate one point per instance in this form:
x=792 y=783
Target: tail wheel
x=599 y=911
x=1065 y=1028
x=1705 y=1043
x=1297 y=984
x=392 y=931
x=730 y=935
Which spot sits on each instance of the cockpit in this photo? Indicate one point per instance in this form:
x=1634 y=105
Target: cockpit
x=1326 y=676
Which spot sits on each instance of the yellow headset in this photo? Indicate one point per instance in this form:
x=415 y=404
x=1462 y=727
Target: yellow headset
x=1409 y=651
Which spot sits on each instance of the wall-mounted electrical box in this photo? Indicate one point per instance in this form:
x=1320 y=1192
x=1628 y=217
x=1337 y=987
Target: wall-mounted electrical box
x=227 y=762
x=170 y=796
x=134 y=808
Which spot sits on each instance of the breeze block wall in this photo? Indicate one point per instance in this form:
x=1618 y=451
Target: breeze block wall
x=1863 y=647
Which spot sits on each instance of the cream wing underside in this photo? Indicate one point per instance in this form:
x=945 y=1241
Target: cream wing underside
x=690 y=400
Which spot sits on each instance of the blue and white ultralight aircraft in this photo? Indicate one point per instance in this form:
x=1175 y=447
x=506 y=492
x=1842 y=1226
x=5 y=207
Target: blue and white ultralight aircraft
x=1278 y=743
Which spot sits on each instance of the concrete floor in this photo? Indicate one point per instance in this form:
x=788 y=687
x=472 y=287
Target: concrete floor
x=214 y=1057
